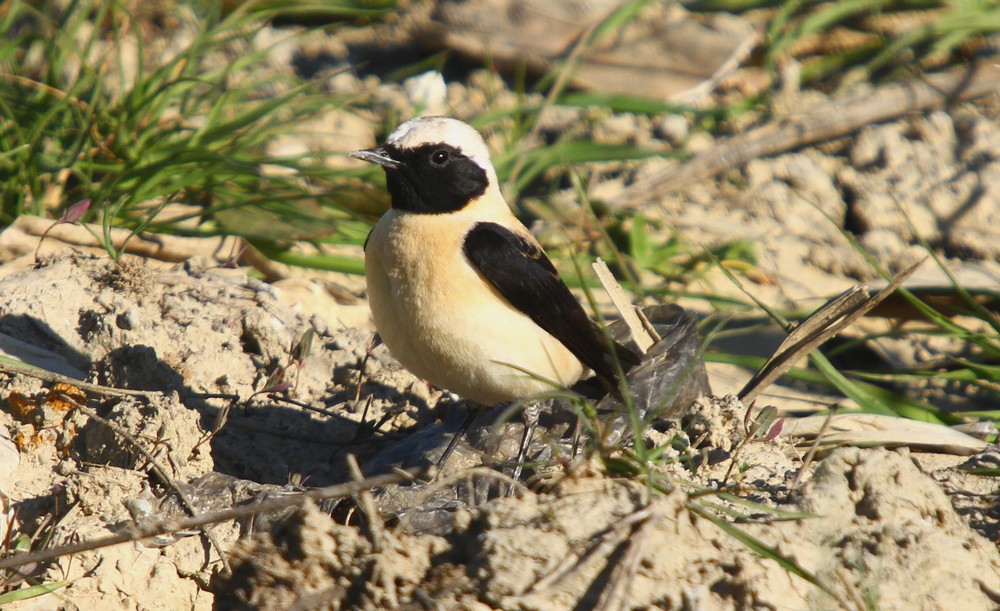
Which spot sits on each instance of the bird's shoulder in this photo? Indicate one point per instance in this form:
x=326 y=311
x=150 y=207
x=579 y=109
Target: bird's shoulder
x=506 y=248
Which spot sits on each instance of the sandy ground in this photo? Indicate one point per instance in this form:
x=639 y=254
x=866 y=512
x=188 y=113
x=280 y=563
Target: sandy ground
x=863 y=528
x=881 y=526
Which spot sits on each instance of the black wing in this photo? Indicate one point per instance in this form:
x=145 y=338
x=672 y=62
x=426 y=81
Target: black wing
x=519 y=270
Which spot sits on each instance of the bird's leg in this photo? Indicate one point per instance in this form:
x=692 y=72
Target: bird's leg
x=469 y=417
x=577 y=430
x=530 y=416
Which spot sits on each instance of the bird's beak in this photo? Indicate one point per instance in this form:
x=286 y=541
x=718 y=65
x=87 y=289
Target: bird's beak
x=376 y=155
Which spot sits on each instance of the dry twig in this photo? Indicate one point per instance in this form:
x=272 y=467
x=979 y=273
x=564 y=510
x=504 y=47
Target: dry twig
x=612 y=535
x=811 y=454
x=616 y=594
x=164 y=527
x=367 y=504
x=55 y=378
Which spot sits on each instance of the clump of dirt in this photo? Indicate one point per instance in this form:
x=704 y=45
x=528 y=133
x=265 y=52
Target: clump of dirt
x=174 y=430
x=894 y=186
x=212 y=336
x=193 y=346
x=884 y=526
x=311 y=562
x=932 y=179
x=876 y=529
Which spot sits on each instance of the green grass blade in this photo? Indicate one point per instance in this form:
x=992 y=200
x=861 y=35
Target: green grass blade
x=336 y=263
x=31 y=592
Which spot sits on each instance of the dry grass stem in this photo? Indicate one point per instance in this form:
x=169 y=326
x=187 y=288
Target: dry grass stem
x=624 y=306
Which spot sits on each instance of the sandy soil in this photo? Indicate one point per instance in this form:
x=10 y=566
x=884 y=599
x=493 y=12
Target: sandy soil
x=872 y=527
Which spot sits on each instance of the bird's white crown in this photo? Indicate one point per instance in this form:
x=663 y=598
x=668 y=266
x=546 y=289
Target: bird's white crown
x=445 y=130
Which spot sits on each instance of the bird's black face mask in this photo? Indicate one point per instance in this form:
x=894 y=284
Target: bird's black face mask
x=432 y=178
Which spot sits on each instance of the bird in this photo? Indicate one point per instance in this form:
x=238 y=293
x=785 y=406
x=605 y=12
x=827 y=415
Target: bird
x=460 y=291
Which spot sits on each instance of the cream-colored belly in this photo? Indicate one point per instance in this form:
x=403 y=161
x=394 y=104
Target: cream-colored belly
x=445 y=324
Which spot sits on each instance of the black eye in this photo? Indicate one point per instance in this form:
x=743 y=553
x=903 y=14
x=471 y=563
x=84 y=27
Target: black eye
x=440 y=157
